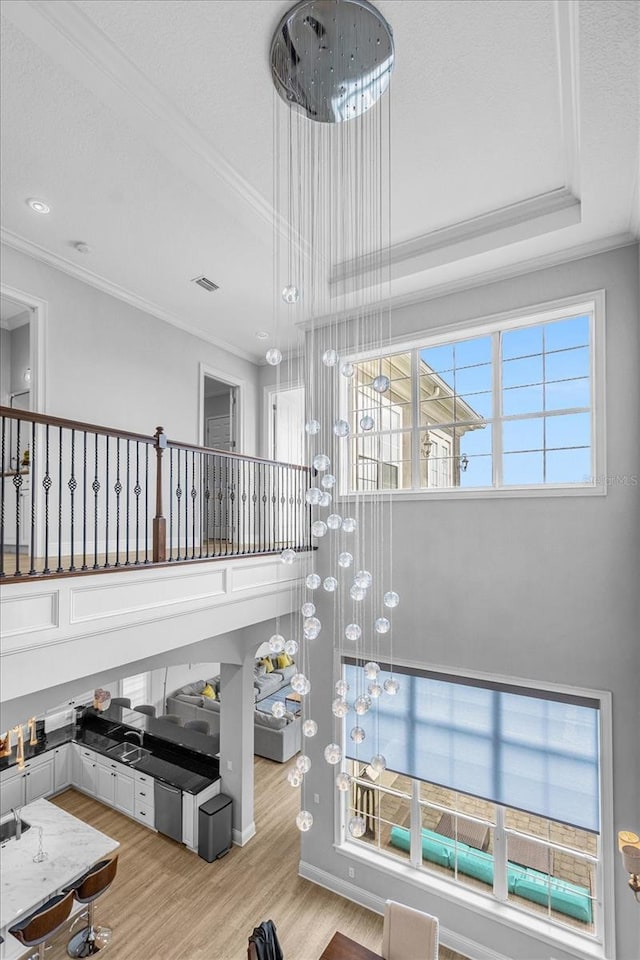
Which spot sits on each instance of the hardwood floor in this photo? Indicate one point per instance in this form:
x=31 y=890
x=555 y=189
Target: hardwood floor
x=168 y=904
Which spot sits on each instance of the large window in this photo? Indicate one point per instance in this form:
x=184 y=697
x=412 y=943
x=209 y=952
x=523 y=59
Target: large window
x=136 y=688
x=512 y=407
x=487 y=785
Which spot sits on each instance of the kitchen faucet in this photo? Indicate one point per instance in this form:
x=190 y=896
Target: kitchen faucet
x=16 y=816
x=136 y=733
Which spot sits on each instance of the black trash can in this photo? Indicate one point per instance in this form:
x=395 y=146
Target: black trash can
x=214 y=827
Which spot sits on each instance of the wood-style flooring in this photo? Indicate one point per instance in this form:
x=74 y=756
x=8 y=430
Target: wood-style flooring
x=168 y=904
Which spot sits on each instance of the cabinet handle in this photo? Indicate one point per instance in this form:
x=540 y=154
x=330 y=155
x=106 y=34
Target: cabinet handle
x=142 y=813
x=142 y=794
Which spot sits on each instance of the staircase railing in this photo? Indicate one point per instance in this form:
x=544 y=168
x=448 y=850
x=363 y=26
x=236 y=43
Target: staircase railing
x=79 y=498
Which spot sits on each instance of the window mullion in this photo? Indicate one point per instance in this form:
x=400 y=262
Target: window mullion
x=500 y=879
x=415 y=433
x=496 y=432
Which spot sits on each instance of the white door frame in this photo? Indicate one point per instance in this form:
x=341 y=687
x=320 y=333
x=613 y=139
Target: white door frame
x=239 y=432
x=269 y=392
x=37 y=343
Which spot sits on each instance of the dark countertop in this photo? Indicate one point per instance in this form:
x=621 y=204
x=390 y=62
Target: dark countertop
x=171 y=760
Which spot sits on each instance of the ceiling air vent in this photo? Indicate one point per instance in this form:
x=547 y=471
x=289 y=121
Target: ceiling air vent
x=206 y=284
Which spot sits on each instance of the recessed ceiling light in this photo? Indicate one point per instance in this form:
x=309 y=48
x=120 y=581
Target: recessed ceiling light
x=82 y=247
x=262 y=335
x=38 y=206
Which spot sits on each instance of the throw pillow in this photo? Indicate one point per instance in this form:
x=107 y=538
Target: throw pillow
x=268 y=666
x=284 y=660
x=208 y=691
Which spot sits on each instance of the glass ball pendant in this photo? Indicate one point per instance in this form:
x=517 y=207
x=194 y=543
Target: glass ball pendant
x=294 y=777
x=374 y=690
x=298 y=682
x=339 y=708
x=311 y=629
x=379 y=763
x=362 y=705
x=357 y=593
x=312 y=427
x=313 y=496
x=328 y=481
x=304 y=821
x=276 y=643
x=330 y=584
x=313 y=581
x=348 y=524
x=318 y=528
x=357 y=734
x=381 y=384
x=288 y=556
x=291 y=647
x=309 y=728
x=321 y=462
x=357 y=827
x=273 y=356
x=363 y=579
x=290 y=293
x=278 y=709
x=343 y=782
x=333 y=753
x=341 y=428
x=382 y=625
x=371 y=670
x=391 y=686
x=391 y=599
x=347 y=369
x=325 y=499
x=352 y=631
x=330 y=358
x=303 y=763
x=342 y=688
x=345 y=559
x=308 y=609
x=334 y=521
x=367 y=423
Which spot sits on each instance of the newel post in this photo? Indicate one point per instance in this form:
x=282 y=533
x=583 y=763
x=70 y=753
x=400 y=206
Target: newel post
x=159 y=522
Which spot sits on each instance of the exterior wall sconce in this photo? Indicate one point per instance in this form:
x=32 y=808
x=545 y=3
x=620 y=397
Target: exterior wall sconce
x=464 y=462
x=629 y=847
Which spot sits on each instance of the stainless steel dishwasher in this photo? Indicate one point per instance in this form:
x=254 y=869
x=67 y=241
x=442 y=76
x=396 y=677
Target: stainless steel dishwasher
x=168 y=810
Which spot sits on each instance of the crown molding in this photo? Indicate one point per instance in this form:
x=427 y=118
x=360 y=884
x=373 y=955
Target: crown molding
x=499 y=228
x=450 y=287
x=73 y=41
x=567 y=51
x=113 y=290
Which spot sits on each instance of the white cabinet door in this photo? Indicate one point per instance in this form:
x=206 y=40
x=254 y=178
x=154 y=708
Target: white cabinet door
x=124 y=790
x=105 y=784
x=12 y=790
x=88 y=771
x=76 y=765
x=39 y=777
x=62 y=767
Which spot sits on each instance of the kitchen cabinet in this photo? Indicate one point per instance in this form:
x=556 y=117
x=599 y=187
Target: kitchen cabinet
x=115 y=785
x=105 y=785
x=62 y=767
x=124 y=791
x=36 y=780
x=88 y=776
x=144 y=806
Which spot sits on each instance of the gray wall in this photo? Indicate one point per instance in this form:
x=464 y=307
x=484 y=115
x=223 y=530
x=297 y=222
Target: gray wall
x=545 y=589
x=111 y=364
x=5 y=366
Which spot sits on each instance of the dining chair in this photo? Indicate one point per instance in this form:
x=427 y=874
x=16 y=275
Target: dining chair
x=171 y=718
x=121 y=702
x=408 y=934
x=201 y=726
x=147 y=708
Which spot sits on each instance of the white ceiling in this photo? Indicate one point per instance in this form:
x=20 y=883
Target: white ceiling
x=10 y=312
x=148 y=127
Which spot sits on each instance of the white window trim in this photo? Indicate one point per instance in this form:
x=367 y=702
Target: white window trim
x=592 y=303
x=584 y=945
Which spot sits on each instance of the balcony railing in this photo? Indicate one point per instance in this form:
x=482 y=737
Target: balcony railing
x=80 y=498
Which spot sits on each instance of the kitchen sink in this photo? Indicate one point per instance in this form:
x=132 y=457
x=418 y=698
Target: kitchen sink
x=128 y=752
x=8 y=829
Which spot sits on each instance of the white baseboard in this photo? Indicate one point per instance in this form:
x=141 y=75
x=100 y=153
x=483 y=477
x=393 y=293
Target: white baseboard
x=350 y=891
x=240 y=837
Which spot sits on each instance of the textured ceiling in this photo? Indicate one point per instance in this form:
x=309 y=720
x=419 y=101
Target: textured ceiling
x=148 y=127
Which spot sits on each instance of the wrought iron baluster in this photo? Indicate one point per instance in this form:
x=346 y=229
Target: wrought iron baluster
x=127 y=562
x=2 y=458
x=46 y=483
x=95 y=486
x=106 y=505
x=137 y=491
x=60 y=449
x=245 y=499
x=72 y=484
x=186 y=505
x=117 y=489
x=194 y=494
x=207 y=499
x=17 y=484
x=178 y=498
x=171 y=503
x=146 y=503
x=32 y=470
x=84 y=501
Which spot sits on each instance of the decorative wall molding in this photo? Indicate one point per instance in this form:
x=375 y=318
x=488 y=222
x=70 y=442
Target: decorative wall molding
x=350 y=891
x=567 y=49
x=518 y=221
x=74 y=270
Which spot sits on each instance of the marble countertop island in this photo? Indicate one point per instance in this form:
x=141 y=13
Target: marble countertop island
x=72 y=847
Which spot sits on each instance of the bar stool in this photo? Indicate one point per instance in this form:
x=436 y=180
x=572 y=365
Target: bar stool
x=200 y=725
x=121 y=702
x=146 y=708
x=34 y=930
x=172 y=718
x=87 y=889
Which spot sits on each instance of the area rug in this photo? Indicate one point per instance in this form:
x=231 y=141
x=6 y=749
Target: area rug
x=278 y=697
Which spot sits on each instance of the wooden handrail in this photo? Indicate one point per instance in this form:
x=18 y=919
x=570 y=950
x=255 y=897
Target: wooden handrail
x=46 y=418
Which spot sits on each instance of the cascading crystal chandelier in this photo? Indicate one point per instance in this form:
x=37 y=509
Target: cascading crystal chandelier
x=331 y=62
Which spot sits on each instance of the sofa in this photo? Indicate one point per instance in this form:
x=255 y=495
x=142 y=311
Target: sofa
x=275 y=738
